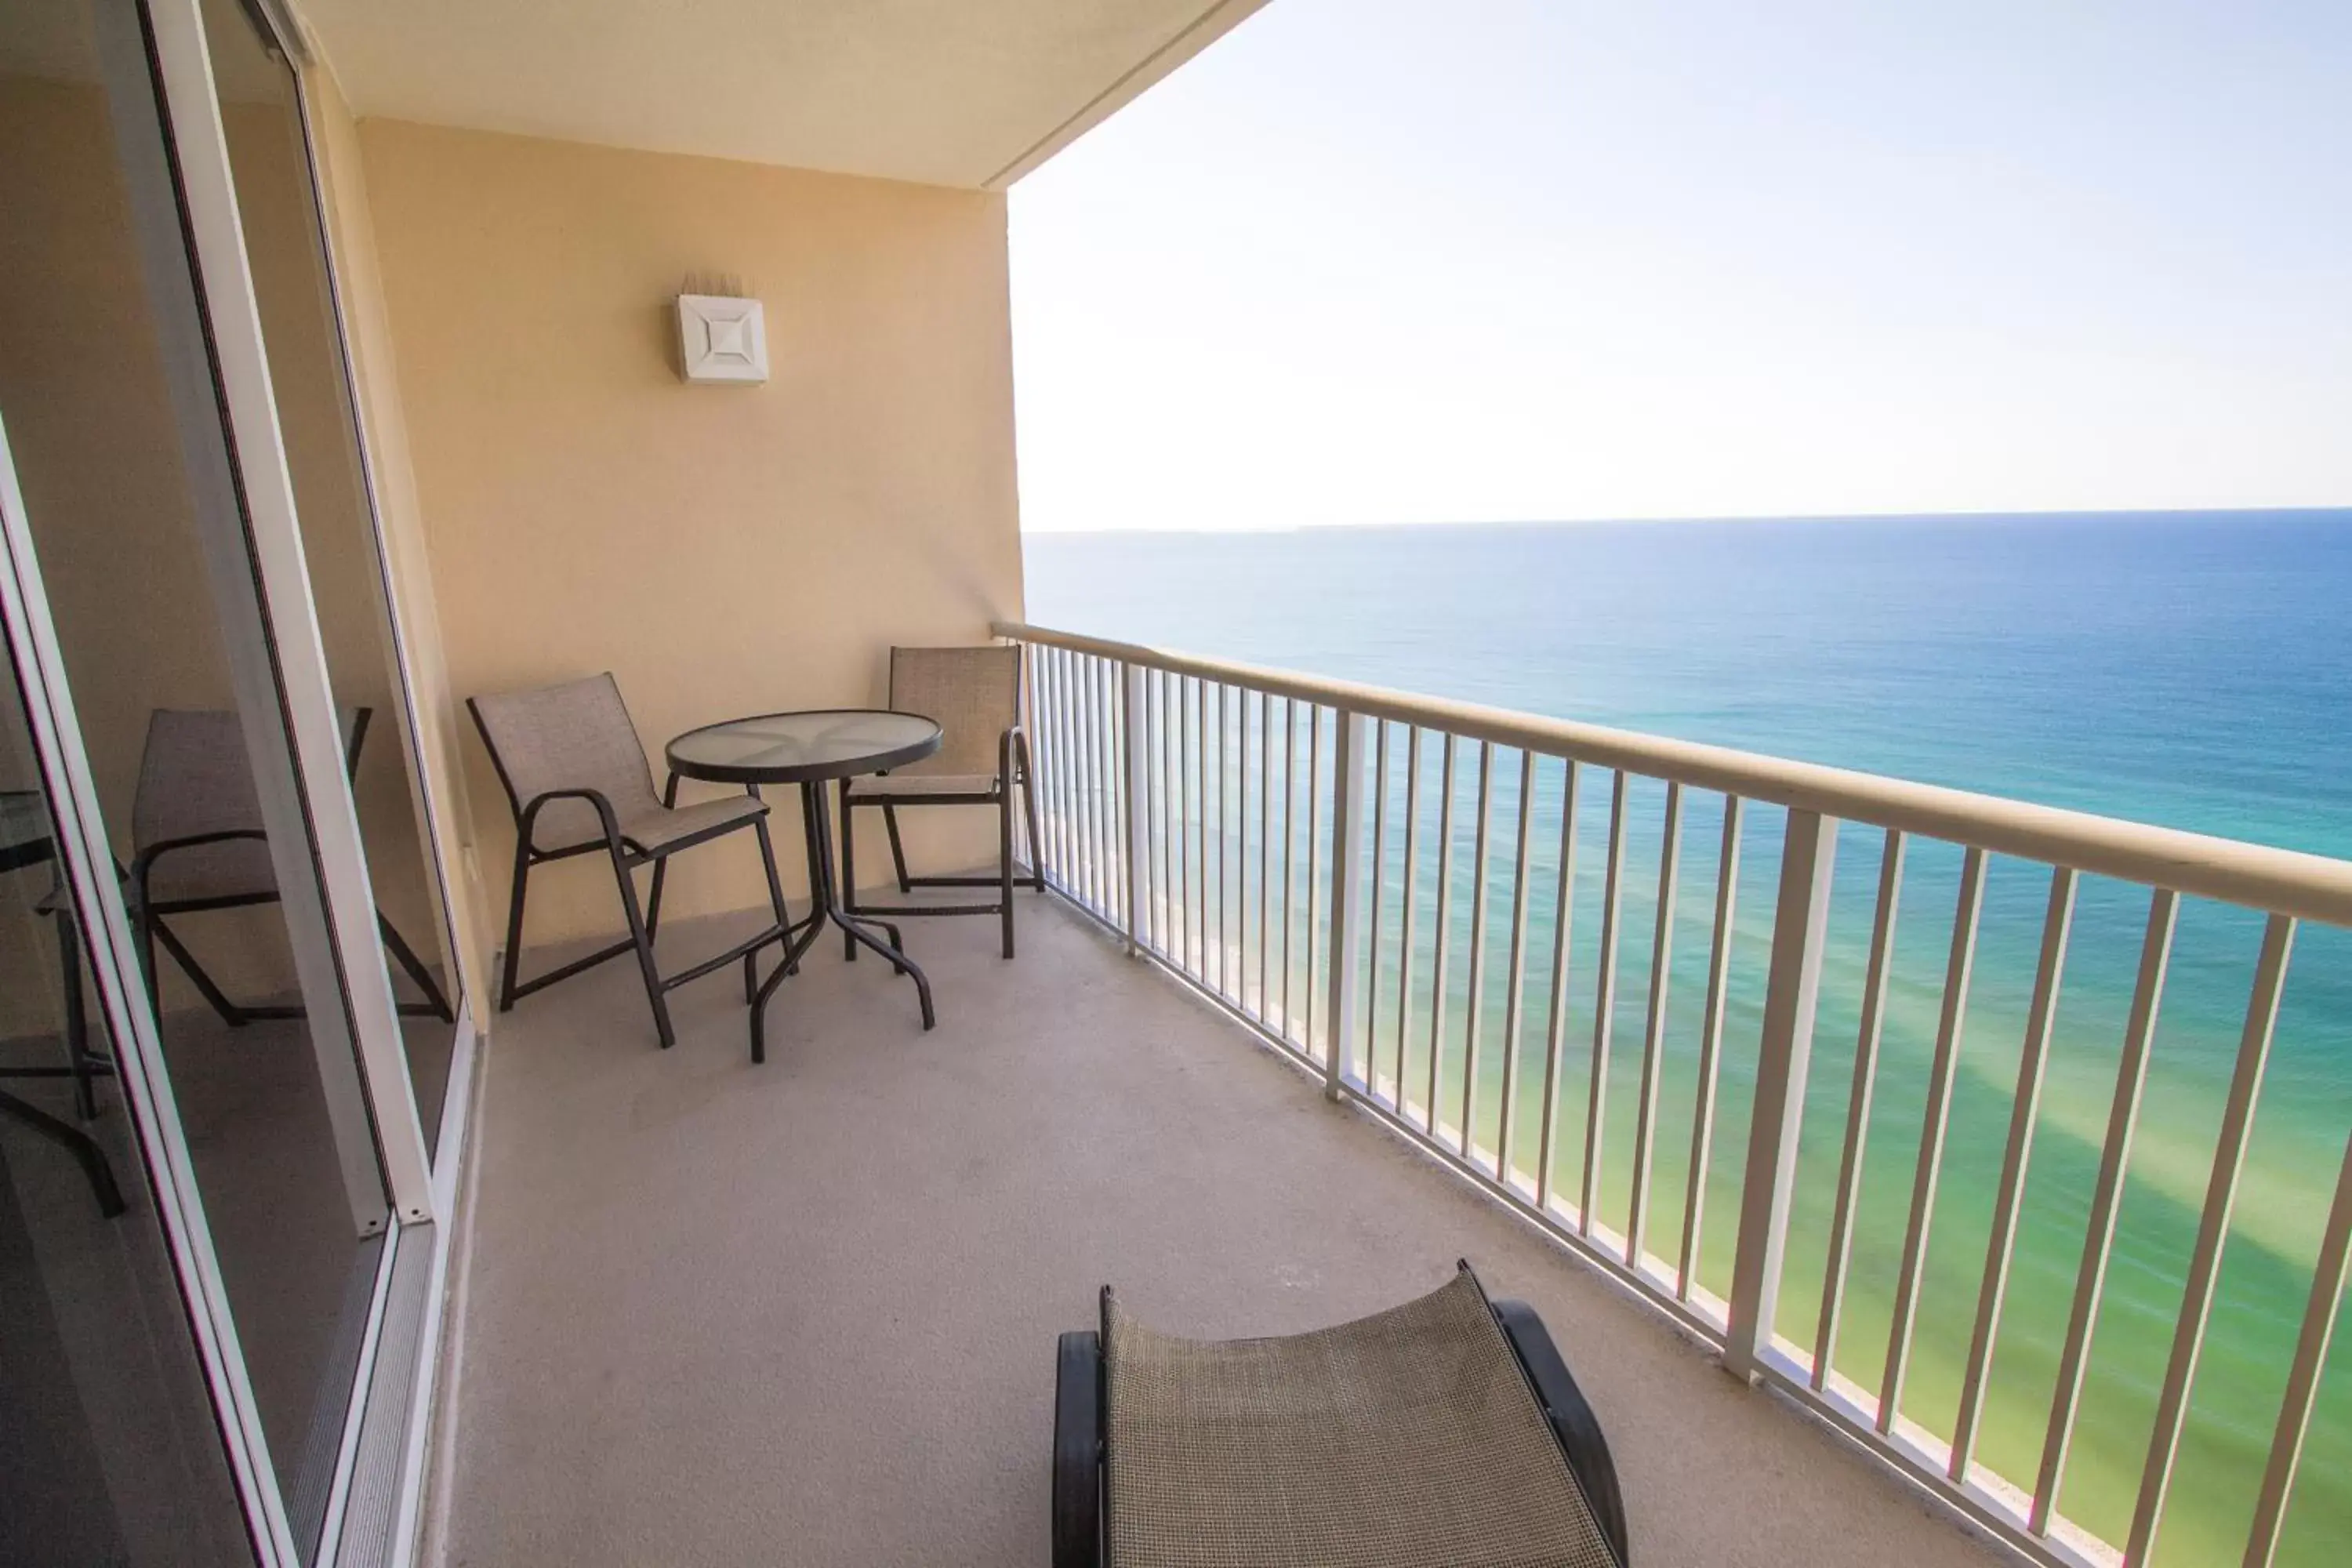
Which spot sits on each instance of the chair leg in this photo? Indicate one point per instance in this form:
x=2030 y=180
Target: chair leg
x=514 y=925
x=1005 y=862
x=215 y=997
x=653 y=901
x=897 y=850
x=643 y=943
x=775 y=888
x=77 y=1018
x=413 y=967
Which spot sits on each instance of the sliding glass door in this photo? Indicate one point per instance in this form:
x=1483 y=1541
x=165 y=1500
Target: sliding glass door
x=225 y=1102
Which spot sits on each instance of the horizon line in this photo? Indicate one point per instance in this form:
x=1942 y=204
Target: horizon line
x=1668 y=521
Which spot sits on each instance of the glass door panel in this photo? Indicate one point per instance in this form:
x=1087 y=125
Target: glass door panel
x=137 y=515
x=278 y=209
x=109 y=1449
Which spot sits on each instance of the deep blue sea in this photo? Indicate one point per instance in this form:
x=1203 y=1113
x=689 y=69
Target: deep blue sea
x=2189 y=670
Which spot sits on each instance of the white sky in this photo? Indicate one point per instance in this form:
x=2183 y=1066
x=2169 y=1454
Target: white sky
x=1365 y=261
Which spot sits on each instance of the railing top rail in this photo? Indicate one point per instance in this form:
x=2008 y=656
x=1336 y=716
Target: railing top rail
x=2286 y=881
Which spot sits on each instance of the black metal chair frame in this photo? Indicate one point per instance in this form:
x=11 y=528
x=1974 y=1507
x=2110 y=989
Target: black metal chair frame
x=148 y=916
x=83 y=1065
x=644 y=921
x=1082 y=1421
x=1012 y=770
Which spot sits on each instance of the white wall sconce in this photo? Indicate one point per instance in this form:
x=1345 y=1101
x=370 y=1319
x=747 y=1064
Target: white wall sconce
x=721 y=339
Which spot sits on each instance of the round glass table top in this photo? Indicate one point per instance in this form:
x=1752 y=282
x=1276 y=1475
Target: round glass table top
x=796 y=748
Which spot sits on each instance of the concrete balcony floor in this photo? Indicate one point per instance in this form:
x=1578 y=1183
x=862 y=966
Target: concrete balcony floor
x=804 y=1313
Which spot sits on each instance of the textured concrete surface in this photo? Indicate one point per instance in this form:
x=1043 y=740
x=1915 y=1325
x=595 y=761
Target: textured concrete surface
x=804 y=1313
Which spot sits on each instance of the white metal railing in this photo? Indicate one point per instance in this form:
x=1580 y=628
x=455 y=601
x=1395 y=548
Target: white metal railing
x=1242 y=828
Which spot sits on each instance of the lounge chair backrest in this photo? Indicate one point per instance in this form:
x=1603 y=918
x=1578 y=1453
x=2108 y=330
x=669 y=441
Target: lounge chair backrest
x=973 y=694
x=195 y=778
x=575 y=735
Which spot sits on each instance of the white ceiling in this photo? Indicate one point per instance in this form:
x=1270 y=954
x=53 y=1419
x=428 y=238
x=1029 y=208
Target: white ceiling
x=951 y=92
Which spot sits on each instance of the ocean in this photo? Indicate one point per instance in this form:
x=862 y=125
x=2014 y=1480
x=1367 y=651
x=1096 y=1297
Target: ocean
x=2192 y=669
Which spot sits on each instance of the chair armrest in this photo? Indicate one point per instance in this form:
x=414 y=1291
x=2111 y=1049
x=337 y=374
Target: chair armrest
x=145 y=859
x=1078 y=1451
x=1572 y=1423
x=529 y=818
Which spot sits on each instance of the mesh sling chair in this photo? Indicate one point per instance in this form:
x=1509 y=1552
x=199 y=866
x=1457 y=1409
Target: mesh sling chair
x=973 y=694
x=578 y=783
x=198 y=845
x=1444 y=1432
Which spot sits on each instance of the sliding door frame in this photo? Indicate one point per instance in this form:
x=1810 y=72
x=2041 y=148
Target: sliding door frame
x=167 y=1170
x=216 y=238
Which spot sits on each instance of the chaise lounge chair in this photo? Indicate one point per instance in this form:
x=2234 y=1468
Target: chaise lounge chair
x=1446 y=1431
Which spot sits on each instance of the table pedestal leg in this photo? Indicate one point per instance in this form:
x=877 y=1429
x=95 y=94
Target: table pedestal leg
x=825 y=897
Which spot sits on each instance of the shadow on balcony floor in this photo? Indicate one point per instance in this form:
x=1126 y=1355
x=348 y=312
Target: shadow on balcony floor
x=804 y=1313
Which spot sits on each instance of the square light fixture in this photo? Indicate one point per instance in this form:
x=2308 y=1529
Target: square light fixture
x=721 y=339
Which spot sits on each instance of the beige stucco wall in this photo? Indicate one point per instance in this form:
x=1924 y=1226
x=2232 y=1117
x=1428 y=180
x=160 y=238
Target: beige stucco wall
x=722 y=550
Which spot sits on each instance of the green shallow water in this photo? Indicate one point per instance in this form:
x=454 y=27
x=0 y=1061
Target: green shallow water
x=2188 y=671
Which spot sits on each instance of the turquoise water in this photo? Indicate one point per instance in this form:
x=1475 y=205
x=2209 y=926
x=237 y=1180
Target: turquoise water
x=2190 y=670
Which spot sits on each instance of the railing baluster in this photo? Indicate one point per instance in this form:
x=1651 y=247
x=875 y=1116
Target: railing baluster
x=1654 y=1031
x=1444 y=923
x=2106 y=1195
x=1065 y=775
x=1135 y=806
x=1513 y=1007
x=2009 y=1199
x=1604 y=1002
x=1474 y=1026
x=1223 y=840
x=1347 y=899
x=1289 y=845
x=2327 y=1280
x=1105 y=796
x=1241 y=852
x=1028 y=713
x=1372 y=923
x=1784 y=1053
x=1264 y=843
x=1115 y=778
x=1081 y=843
x=1933 y=1128
x=1314 y=857
x=1710 y=1047
x=2212 y=1235
x=1858 y=1103
x=1164 y=799
x=1200 y=846
x=1087 y=754
x=1042 y=761
x=1555 y=1021
x=1184 y=707
x=1404 y=899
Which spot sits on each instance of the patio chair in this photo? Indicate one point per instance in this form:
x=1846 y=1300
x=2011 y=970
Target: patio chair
x=198 y=845
x=1446 y=1431
x=973 y=694
x=578 y=783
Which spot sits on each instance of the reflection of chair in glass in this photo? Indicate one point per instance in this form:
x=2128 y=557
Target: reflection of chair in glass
x=25 y=839
x=578 y=783
x=198 y=845
x=973 y=695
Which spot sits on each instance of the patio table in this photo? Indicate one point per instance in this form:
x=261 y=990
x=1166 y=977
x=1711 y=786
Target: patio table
x=811 y=749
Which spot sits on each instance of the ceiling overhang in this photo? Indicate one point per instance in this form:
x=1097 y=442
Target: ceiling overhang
x=969 y=93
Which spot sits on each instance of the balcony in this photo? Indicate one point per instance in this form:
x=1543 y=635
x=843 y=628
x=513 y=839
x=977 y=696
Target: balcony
x=805 y=1312
x=1304 y=1025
